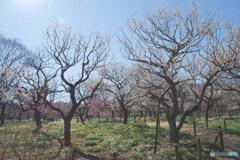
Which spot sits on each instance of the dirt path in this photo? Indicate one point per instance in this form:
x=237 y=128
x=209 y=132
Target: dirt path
x=231 y=142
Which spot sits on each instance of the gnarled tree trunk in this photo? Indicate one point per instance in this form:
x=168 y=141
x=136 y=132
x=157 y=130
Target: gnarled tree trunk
x=174 y=134
x=67 y=131
x=37 y=116
x=125 y=116
x=174 y=131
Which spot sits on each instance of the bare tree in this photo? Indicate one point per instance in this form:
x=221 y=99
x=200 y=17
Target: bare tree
x=167 y=44
x=225 y=55
x=11 y=54
x=38 y=82
x=81 y=112
x=76 y=57
x=210 y=99
x=122 y=86
x=229 y=47
x=108 y=102
x=84 y=91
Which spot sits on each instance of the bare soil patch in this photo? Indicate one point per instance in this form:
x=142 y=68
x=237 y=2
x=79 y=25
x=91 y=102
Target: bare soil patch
x=231 y=142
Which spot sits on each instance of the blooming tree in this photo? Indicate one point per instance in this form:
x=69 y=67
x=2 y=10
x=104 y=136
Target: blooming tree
x=11 y=55
x=175 y=48
x=37 y=83
x=76 y=58
x=121 y=83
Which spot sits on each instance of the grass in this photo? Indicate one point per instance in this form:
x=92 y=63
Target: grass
x=233 y=124
x=92 y=141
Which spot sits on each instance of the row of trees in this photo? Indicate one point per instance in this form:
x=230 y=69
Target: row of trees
x=180 y=63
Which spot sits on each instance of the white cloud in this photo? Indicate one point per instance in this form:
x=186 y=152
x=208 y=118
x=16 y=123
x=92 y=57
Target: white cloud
x=61 y=20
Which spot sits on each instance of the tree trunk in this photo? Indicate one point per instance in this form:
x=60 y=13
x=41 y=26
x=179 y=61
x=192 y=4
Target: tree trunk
x=199 y=112
x=134 y=118
x=9 y=113
x=81 y=113
x=145 y=117
x=3 y=115
x=125 y=116
x=174 y=133
x=154 y=116
x=215 y=110
x=44 y=116
x=159 y=119
x=37 y=115
x=206 y=115
x=120 y=118
x=150 y=113
x=113 y=116
x=67 y=132
x=219 y=113
x=20 y=116
x=230 y=115
x=156 y=132
x=86 y=112
x=141 y=114
x=82 y=119
x=98 y=113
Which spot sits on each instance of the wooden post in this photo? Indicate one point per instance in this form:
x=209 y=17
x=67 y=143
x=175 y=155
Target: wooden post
x=134 y=118
x=221 y=138
x=176 y=152
x=225 y=126
x=156 y=132
x=159 y=120
x=194 y=127
x=199 y=149
x=114 y=156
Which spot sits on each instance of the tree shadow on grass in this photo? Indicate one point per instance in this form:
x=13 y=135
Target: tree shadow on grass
x=77 y=153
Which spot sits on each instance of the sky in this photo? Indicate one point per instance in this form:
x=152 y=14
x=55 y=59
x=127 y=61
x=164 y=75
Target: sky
x=27 y=20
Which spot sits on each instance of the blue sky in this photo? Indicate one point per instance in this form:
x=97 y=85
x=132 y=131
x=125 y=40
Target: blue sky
x=27 y=19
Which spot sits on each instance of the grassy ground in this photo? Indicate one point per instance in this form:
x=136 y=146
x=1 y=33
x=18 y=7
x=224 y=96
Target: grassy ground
x=92 y=141
x=232 y=124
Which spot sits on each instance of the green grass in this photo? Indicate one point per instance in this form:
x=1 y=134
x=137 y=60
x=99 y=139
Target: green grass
x=233 y=124
x=95 y=140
